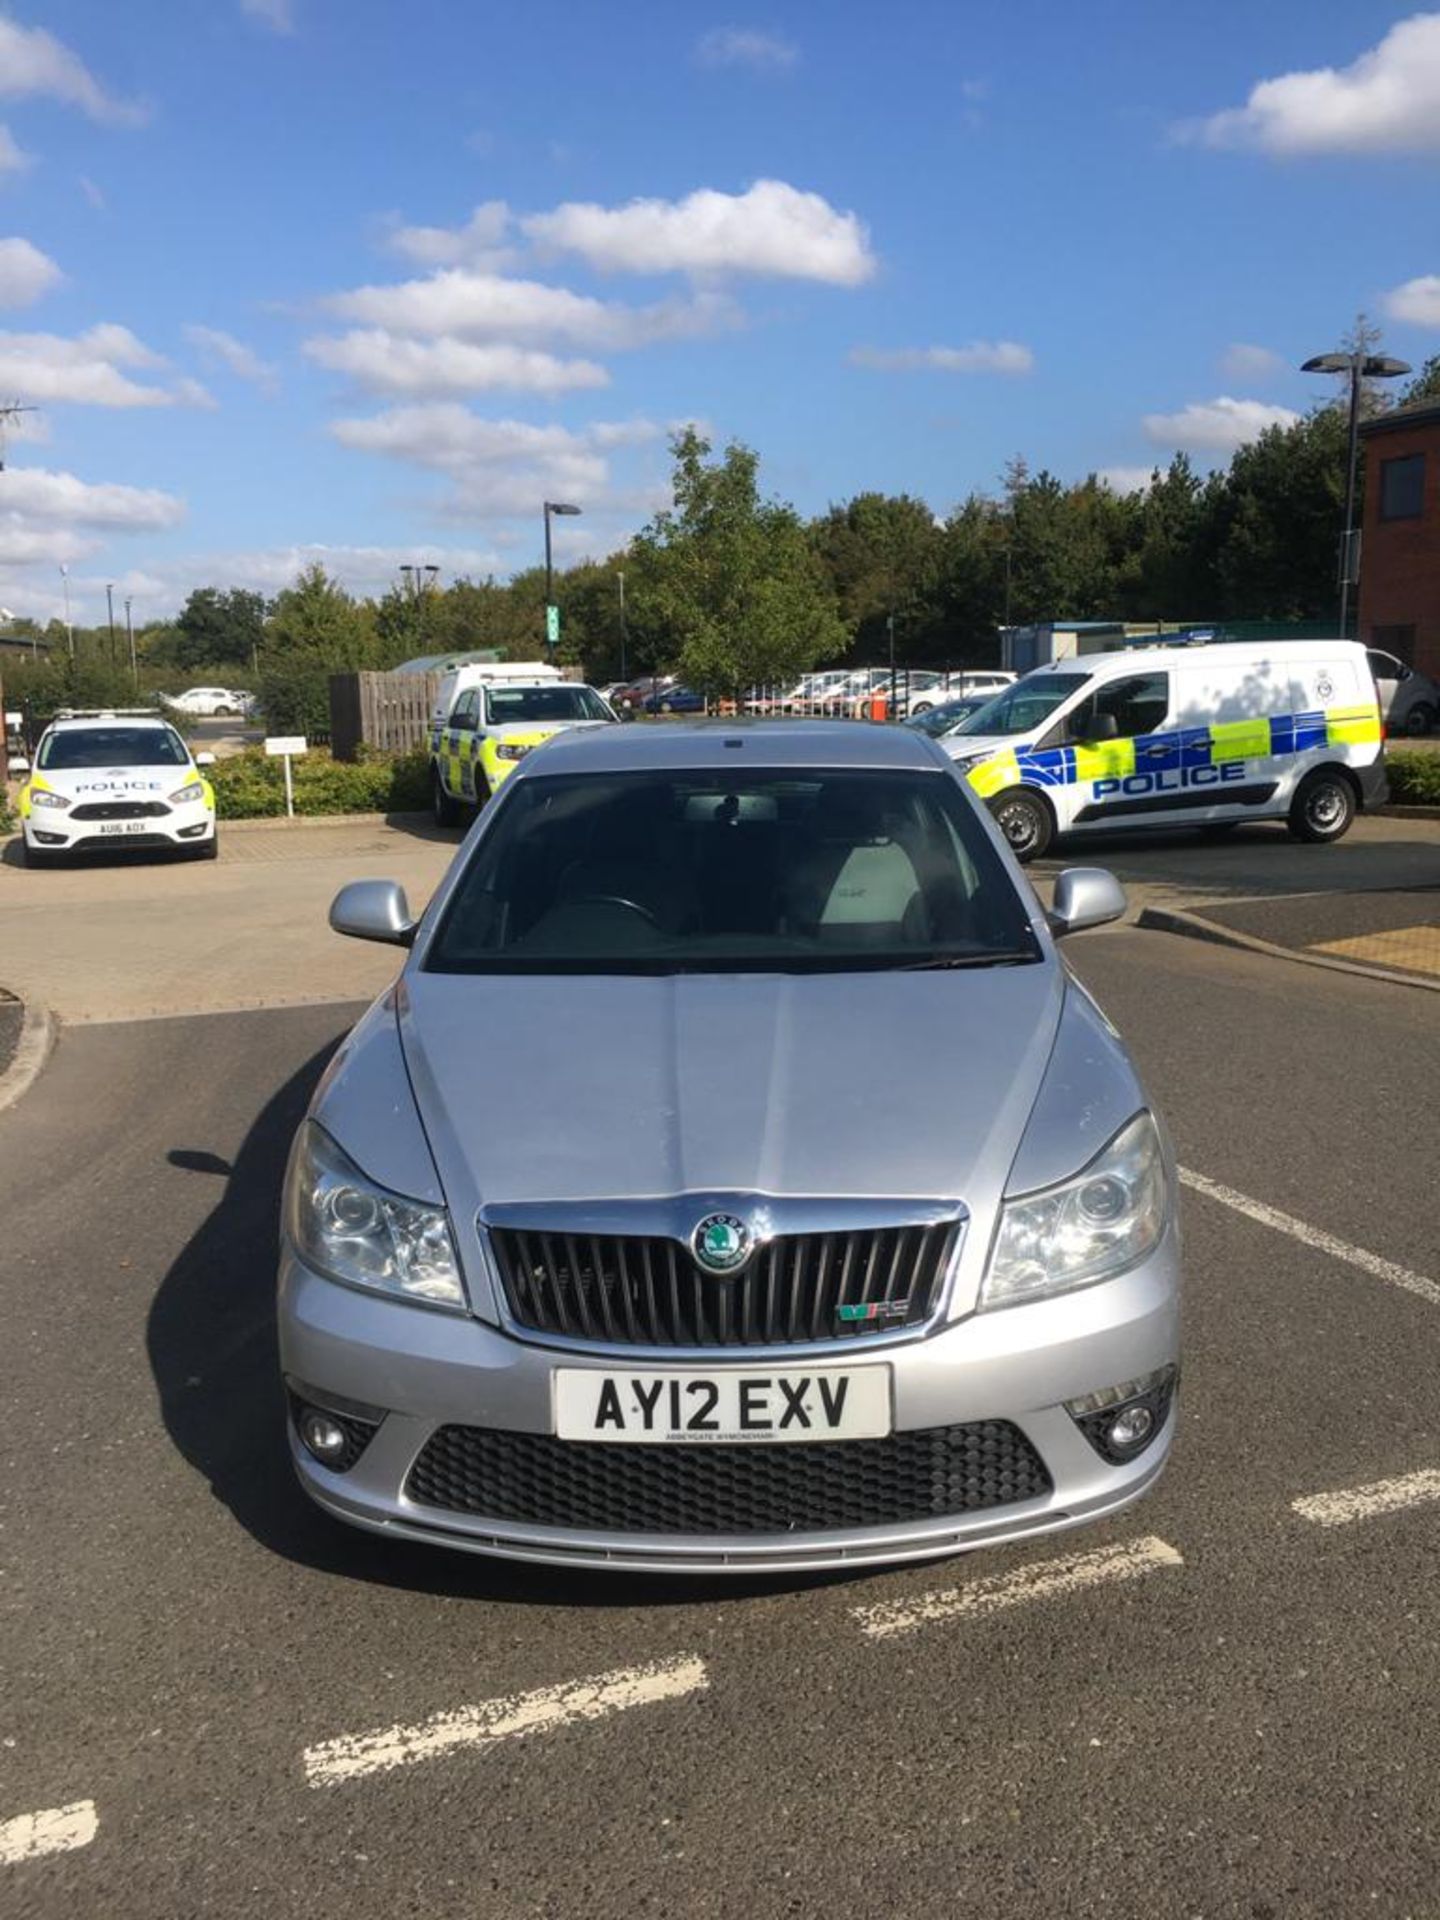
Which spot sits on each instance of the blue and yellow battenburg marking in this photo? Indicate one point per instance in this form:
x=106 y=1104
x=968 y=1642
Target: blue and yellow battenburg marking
x=1209 y=751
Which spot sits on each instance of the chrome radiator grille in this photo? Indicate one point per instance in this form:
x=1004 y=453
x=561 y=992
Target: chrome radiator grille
x=636 y=1290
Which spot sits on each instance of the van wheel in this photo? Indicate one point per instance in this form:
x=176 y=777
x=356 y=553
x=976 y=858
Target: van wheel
x=1323 y=807
x=1026 y=822
x=1419 y=720
x=447 y=811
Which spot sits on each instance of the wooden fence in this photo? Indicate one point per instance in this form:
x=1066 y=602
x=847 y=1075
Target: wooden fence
x=388 y=711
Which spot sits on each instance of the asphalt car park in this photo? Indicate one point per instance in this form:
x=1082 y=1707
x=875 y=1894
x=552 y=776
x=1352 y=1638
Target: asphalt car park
x=1218 y=1702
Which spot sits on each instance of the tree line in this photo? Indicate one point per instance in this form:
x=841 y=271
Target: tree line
x=730 y=588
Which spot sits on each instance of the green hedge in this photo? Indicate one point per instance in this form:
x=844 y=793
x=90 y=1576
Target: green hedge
x=1414 y=777
x=251 y=785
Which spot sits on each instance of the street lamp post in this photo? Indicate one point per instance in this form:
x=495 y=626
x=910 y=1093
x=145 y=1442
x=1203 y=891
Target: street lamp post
x=110 y=605
x=130 y=630
x=552 y=612
x=1358 y=366
x=620 y=578
x=69 y=630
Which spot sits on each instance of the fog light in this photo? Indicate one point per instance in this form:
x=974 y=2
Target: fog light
x=324 y=1437
x=1131 y=1428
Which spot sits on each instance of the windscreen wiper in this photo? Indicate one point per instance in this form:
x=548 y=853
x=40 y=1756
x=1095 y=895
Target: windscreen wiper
x=994 y=957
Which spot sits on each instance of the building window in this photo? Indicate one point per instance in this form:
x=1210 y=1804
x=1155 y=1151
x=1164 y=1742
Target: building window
x=1402 y=487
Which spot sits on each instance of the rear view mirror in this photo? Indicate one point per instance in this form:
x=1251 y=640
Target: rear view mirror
x=374 y=910
x=1085 y=897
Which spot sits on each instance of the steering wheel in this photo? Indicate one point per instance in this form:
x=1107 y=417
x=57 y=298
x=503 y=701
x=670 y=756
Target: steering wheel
x=618 y=900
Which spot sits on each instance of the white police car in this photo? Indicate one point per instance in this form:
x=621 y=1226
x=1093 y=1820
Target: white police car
x=115 y=778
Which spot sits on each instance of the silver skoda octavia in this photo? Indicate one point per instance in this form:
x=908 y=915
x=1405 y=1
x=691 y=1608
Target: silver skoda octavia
x=734 y=1178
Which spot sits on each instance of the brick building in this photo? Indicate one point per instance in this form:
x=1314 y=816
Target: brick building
x=1400 y=552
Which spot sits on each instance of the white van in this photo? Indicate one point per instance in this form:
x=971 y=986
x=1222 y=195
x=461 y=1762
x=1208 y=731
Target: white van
x=491 y=726
x=1185 y=735
x=488 y=673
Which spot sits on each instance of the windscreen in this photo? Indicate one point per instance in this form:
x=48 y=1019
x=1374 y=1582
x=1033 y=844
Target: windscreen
x=946 y=718
x=112 y=747
x=504 y=705
x=1025 y=706
x=727 y=871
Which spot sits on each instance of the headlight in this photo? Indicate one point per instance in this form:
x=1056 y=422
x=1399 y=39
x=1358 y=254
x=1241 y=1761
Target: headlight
x=40 y=798
x=195 y=790
x=347 y=1228
x=1086 y=1229
x=505 y=750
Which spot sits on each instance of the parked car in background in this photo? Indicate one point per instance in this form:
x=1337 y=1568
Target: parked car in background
x=209 y=703
x=629 y=698
x=1409 y=701
x=674 y=699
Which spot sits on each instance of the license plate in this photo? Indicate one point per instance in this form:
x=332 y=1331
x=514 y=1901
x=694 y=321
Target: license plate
x=125 y=826
x=696 y=1409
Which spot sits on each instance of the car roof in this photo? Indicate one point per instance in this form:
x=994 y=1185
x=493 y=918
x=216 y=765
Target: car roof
x=78 y=722
x=1235 y=652
x=725 y=743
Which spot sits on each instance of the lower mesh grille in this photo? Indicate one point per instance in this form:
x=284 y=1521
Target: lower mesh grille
x=926 y=1474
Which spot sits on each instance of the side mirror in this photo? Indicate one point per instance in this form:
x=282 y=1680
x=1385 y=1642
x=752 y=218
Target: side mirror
x=1085 y=897
x=374 y=910
x=1101 y=726
x=204 y=759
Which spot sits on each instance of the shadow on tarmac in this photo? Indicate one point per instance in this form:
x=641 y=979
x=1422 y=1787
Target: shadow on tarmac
x=214 y=1354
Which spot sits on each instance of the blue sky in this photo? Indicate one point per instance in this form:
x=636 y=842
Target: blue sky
x=244 y=278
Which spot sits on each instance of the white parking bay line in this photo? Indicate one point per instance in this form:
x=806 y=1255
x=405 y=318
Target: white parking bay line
x=354 y=1755
x=1363 y=1503
x=1046 y=1580
x=1315 y=1237
x=56 y=1830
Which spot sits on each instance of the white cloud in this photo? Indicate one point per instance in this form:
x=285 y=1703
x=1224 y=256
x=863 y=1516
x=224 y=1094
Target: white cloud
x=35 y=493
x=772 y=228
x=85 y=370
x=278 y=15
x=1417 y=303
x=484 y=306
x=1215 y=426
x=479 y=243
x=388 y=363
x=25 y=273
x=981 y=356
x=501 y=467
x=92 y=193
x=746 y=47
x=49 y=519
x=223 y=349
x=13 y=158
x=33 y=62
x=1244 y=365
x=1387 y=101
x=1126 y=479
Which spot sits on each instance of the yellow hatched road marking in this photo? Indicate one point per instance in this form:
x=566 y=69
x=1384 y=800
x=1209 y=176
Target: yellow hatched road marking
x=1412 y=949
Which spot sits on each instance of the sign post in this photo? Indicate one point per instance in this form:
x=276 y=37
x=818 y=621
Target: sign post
x=552 y=625
x=287 y=745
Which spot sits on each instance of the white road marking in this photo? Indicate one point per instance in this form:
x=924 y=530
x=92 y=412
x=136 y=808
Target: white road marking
x=1362 y=1503
x=56 y=1830
x=1316 y=1237
x=354 y=1755
x=1044 y=1581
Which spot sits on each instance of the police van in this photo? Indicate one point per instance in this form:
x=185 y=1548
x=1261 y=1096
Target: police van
x=1180 y=735
x=115 y=777
x=488 y=717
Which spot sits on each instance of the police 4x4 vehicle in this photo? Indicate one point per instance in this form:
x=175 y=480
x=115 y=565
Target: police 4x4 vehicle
x=489 y=729
x=1186 y=735
x=119 y=777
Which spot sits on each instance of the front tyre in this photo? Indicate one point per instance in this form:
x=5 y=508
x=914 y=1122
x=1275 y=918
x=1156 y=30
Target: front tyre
x=1419 y=721
x=446 y=810
x=1323 y=807
x=1026 y=822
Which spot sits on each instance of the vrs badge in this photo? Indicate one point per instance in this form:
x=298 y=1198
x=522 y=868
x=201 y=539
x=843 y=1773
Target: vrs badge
x=721 y=1243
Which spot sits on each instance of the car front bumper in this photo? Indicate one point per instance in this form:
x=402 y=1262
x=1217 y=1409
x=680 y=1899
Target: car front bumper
x=55 y=830
x=1019 y=1365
